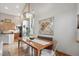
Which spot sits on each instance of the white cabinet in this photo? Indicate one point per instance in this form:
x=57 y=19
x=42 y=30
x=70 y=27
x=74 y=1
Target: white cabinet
x=1 y=47
x=10 y=38
x=78 y=35
x=4 y=38
x=7 y=38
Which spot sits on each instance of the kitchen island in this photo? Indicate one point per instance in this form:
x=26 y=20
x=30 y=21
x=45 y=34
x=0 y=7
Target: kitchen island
x=5 y=38
x=6 y=33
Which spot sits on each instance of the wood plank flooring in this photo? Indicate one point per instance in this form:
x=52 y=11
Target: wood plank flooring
x=13 y=50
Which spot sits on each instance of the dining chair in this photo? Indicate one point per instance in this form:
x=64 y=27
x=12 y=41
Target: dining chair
x=47 y=52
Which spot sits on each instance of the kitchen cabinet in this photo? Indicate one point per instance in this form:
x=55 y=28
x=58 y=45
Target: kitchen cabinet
x=1 y=47
x=7 y=38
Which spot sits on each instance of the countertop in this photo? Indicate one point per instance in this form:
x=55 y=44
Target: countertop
x=8 y=32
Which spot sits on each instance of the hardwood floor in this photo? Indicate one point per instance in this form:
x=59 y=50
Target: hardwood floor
x=13 y=50
x=58 y=53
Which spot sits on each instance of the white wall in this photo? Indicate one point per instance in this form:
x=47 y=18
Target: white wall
x=65 y=31
x=78 y=8
x=77 y=22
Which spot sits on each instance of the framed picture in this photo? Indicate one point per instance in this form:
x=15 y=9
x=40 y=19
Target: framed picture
x=46 y=26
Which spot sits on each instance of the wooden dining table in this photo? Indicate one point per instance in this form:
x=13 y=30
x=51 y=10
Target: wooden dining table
x=38 y=47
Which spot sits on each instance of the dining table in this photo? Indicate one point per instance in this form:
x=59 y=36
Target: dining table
x=38 y=46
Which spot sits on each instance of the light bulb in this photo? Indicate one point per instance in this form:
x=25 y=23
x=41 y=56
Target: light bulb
x=28 y=15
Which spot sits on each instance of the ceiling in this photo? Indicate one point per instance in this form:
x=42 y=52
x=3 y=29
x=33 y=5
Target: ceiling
x=12 y=8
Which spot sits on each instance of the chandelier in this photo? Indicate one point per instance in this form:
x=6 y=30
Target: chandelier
x=28 y=14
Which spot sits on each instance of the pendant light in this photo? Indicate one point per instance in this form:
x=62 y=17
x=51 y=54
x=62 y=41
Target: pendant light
x=28 y=14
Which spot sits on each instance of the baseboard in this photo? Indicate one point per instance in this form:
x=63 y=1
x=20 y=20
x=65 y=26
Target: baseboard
x=62 y=53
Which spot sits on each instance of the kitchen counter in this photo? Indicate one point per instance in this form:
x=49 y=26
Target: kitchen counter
x=6 y=33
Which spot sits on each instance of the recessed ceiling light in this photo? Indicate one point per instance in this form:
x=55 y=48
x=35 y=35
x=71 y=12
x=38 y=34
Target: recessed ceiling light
x=6 y=7
x=17 y=6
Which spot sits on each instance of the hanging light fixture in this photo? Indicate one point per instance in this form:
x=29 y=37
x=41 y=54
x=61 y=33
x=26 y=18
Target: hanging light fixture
x=28 y=14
